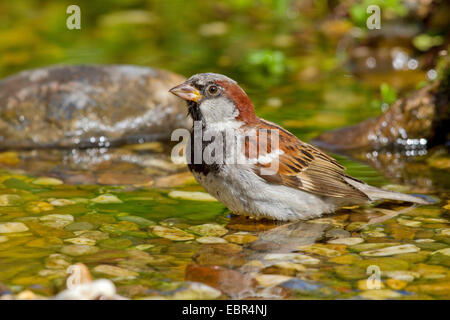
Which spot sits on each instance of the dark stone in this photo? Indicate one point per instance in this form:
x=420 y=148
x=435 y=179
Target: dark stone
x=88 y=105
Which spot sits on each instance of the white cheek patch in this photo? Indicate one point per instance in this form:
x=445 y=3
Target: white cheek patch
x=218 y=110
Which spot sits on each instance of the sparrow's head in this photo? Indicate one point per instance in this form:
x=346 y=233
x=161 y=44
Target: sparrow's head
x=213 y=98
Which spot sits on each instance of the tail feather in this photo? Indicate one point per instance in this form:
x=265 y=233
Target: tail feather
x=378 y=194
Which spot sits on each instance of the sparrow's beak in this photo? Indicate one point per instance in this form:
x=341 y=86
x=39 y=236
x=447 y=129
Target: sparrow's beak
x=187 y=92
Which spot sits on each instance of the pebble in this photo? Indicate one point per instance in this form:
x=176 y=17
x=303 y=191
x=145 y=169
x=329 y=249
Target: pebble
x=209 y=229
x=61 y=202
x=300 y=285
x=337 y=233
x=445 y=252
x=409 y=223
x=294 y=257
x=106 y=198
x=173 y=234
x=57 y=221
x=194 y=196
x=7 y=200
x=396 y=284
x=196 y=291
x=270 y=280
x=210 y=240
x=319 y=250
x=241 y=238
x=144 y=247
x=445 y=232
x=57 y=261
x=115 y=271
x=79 y=226
x=290 y=266
x=345 y=259
x=380 y=294
x=94 y=235
x=81 y=240
x=78 y=249
x=347 y=241
x=10 y=227
x=389 y=251
x=138 y=220
x=47 y=181
x=402 y=275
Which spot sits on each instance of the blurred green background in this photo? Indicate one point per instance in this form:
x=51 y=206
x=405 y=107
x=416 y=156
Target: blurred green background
x=298 y=60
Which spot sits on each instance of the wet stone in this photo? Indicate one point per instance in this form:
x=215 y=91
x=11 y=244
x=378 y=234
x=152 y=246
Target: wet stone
x=81 y=240
x=319 y=250
x=285 y=268
x=241 y=237
x=347 y=241
x=346 y=272
x=47 y=181
x=78 y=250
x=337 y=233
x=94 y=235
x=402 y=275
x=79 y=226
x=230 y=282
x=10 y=200
x=196 y=291
x=115 y=243
x=389 y=251
x=345 y=259
x=380 y=294
x=142 y=222
x=115 y=271
x=57 y=261
x=270 y=280
x=293 y=257
x=210 y=240
x=57 y=221
x=11 y=227
x=173 y=234
x=193 y=196
x=106 y=198
x=385 y=264
x=209 y=230
x=45 y=243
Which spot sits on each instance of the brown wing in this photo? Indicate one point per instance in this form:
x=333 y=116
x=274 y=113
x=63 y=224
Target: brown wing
x=307 y=168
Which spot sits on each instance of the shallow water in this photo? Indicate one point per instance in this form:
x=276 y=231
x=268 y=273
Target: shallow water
x=134 y=217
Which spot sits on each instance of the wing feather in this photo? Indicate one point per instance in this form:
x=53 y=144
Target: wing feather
x=307 y=168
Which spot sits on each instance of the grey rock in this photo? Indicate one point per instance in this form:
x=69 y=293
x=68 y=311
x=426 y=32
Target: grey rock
x=88 y=105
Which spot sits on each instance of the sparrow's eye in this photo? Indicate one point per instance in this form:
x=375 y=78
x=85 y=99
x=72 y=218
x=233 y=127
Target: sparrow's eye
x=213 y=90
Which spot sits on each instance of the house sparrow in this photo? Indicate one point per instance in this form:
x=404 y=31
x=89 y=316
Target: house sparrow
x=289 y=180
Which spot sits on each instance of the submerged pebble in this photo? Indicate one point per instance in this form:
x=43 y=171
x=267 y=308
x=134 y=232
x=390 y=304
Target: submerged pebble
x=81 y=240
x=106 y=198
x=78 y=249
x=190 y=195
x=47 y=181
x=115 y=271
x=294 y=257
x=7 y=200
x=209 y=229
x=211 y=240
x=173 y=234
x=241 y=237
x=11 y=227
x=380 y=294
x=389 y=251
x=347 y=241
